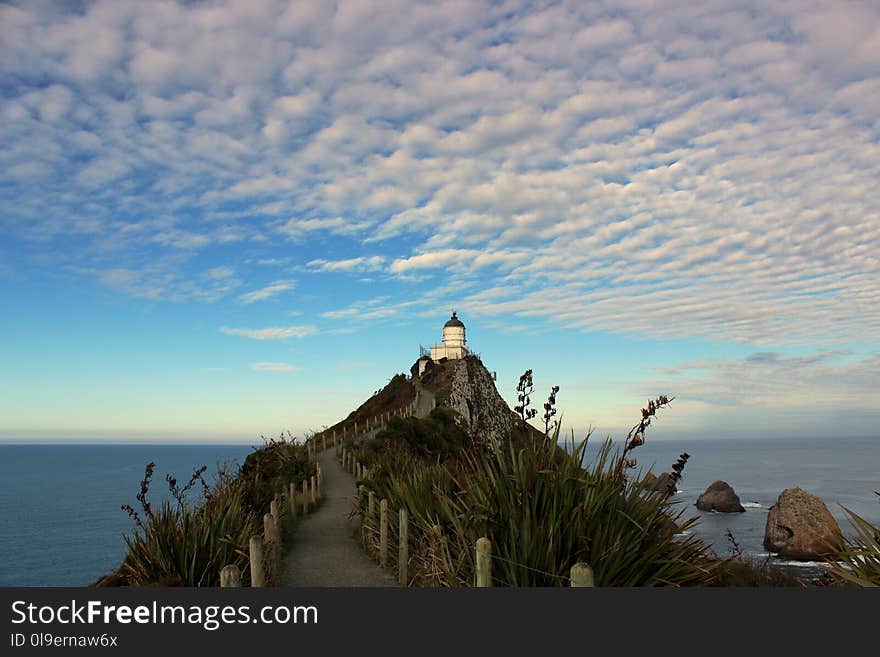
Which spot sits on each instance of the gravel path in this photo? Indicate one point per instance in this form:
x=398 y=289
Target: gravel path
x=324 y=551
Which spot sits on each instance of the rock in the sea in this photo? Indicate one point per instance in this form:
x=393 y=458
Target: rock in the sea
x=661 y=483
x=113 y=579
x=720 y=497
x=799 y=526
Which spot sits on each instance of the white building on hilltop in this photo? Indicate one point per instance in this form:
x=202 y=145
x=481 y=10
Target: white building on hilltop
x=453 y=341
x=454 y=344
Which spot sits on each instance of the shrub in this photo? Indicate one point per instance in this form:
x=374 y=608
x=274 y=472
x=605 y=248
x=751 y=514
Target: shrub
x=271 y=468
x=180 y=544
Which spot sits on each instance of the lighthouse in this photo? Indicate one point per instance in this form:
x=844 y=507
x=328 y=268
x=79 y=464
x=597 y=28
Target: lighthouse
x=454 y=342
x=454 y=345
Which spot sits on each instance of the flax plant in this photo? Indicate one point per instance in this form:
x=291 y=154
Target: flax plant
x=859 y=563
x=182 y=544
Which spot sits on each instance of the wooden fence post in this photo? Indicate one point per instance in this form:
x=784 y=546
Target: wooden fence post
x=371 y=505
x=582 y=575
x=305 y=498
x=292 y=500
x=269 y=542
x=383 y=533
x=230 y=577
x=275 y=511
x=258 y=572
x=403 y=549
x=484 y=562
x=314 y=490
x=324 y=441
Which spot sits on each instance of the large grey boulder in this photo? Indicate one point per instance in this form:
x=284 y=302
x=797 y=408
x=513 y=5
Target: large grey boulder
x=799 y=526
x=721 y=497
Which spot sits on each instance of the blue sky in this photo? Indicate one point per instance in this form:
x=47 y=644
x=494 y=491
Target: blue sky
x=226 y=219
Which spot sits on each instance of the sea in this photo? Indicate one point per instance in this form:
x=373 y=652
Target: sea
x=842 y=472
x=61 y=522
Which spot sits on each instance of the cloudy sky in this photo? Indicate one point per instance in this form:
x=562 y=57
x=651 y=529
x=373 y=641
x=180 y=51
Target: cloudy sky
x=225 y=219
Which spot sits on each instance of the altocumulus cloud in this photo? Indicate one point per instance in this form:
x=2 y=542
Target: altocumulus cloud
x=272 y=333
x=267 y=292
x=273 y=367
x=677 y=169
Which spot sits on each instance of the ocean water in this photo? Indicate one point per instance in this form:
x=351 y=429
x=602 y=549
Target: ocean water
x=60 y=518
x=839 y=471
x=61 y=522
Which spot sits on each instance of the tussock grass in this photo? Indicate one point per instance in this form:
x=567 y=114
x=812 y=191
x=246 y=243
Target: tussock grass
x=542 y=510
x=186 y=543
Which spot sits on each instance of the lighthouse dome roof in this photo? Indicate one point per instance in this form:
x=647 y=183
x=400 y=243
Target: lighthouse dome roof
x=453 y=321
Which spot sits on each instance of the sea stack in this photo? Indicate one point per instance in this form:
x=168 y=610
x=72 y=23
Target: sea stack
x=799 y=526
x=721 y=497
x=662 y=483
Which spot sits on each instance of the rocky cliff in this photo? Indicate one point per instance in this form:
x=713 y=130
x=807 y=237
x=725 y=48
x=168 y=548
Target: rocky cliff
x=467 y=387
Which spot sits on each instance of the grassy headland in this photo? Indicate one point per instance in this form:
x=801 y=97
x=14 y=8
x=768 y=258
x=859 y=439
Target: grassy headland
x=186 y=541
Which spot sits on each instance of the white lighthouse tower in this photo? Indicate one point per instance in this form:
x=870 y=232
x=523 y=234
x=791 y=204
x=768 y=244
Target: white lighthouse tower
x=454 y=341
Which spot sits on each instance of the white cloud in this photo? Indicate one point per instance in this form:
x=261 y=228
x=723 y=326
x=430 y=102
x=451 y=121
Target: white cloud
x=361 y=263
x=700 y=170
x=273 y=367
x=827 y=381
x=220 y=272
x=449 y=257
x=267 y=292
x=355 y=365
x=272 y=333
